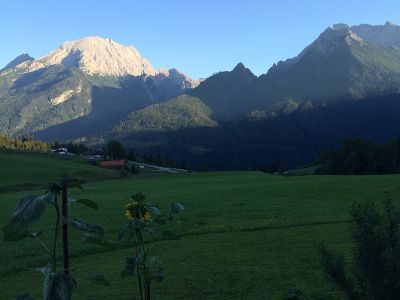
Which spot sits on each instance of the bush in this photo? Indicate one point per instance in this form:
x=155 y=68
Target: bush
x=134 y=169
x=374 y=272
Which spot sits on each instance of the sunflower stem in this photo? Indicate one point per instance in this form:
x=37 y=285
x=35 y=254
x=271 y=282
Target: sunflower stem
x=138 y=265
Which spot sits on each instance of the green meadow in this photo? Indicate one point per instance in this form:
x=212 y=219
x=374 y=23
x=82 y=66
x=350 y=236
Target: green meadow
x=24 y=171
x=244 y=235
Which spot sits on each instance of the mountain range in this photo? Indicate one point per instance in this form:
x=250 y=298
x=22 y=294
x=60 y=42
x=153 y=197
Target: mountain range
x=90 y=84
x=95 y=89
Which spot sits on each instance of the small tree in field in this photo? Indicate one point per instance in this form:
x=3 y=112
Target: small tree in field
x=374 y=273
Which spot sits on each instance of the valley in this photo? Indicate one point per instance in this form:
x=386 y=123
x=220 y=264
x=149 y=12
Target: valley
x=296 y=110
x=236 y=150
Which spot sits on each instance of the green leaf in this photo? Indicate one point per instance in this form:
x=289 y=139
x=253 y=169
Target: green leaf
x=25 y=296
x=44 y=270
x=169 y=235
x=177 y=208
x=97 y=278
x=62 y=287
x=155 y=210
x=29 y=209
x=89 y=203
x=10 y=236
x=131 y=266
x=57 y=286
x=86 y=227
x=48 y=281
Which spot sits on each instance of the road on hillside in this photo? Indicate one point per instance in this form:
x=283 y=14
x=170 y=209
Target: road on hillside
x=158 y=168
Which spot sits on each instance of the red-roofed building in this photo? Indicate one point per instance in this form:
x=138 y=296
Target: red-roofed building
x=112 y=164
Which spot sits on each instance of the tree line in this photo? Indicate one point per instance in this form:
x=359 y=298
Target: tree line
x=23 y=143
x=361 y=157
x=115 y=150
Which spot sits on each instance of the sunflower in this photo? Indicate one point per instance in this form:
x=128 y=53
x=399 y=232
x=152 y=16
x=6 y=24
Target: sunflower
x=135 y=211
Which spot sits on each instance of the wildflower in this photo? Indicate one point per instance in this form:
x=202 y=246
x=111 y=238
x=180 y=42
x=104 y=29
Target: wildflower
x=137 y=212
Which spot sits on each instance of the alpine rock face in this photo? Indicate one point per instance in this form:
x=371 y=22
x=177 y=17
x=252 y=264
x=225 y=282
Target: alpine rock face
x=81 y=88
x=387 y=35
x=95 y=56
x=25 y=57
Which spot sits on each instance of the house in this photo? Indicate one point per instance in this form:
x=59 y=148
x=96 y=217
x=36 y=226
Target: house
x=61 y=151
x=112 y=164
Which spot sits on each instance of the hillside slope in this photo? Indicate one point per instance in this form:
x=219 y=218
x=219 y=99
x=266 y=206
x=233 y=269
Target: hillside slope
x=22 y=171
x=181 y=112
x=338 y=64
x=292 y=137
x=228 y=94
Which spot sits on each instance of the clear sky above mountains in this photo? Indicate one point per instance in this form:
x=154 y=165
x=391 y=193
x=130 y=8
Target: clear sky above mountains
x=197 y=37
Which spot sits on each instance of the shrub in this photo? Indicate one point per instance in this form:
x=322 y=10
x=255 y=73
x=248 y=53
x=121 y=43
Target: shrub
x=374 y=272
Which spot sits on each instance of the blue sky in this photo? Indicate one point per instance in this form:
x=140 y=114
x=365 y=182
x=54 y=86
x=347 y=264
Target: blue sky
x=198 y=37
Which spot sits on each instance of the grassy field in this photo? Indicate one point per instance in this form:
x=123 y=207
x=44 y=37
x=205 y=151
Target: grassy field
x=245 y=235
x=22 y=171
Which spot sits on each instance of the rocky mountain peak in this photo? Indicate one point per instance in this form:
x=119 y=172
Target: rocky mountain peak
x=243 y=71
x=96 y=56
x=239 y=67
x=387 y=35
x=25 y=57
x=176 y=77
x=340 y=26
x=100 y=56
x=334 y=37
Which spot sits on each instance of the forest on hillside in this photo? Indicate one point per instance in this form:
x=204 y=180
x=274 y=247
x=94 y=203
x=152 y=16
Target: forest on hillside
x=23 y=143
x=361 y=157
